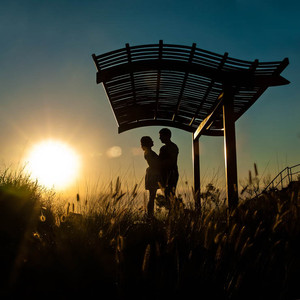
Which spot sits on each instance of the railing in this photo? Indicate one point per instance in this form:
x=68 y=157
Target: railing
x=284 y=178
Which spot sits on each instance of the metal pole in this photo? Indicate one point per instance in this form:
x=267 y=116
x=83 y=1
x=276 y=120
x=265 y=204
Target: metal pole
x=196 y=168
x=230 y=149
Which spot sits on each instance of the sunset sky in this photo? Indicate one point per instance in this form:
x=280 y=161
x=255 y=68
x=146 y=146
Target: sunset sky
x=48 y=80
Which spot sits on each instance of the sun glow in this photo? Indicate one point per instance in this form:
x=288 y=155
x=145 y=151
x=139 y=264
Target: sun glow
x=53 y=164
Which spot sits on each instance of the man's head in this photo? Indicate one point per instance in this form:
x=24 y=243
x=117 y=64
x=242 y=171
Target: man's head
x=165 y=135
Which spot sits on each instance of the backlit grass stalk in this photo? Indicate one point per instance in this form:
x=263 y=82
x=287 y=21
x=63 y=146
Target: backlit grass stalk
x=254 y=255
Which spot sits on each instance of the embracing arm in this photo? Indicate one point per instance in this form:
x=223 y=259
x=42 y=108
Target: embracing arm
x=153 y=160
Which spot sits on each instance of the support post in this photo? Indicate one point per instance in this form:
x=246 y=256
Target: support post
x=196 y=168
x=230 y=149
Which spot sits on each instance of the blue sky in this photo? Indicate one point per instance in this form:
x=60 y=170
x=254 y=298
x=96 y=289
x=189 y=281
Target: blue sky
x=48 y=85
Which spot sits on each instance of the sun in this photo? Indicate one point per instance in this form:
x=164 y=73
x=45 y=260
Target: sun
x=53 y=163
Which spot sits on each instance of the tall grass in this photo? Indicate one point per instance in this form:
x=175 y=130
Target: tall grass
x=107 y=247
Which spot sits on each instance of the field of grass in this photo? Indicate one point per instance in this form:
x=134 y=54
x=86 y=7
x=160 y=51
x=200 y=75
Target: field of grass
x=111 y=251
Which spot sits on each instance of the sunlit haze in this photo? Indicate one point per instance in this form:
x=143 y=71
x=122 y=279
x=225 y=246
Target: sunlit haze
x=49 y=89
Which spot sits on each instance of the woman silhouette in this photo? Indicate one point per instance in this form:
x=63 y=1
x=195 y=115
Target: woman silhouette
x=152 y=172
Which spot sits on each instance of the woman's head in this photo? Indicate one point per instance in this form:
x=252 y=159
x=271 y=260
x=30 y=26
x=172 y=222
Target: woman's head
x=146 y=141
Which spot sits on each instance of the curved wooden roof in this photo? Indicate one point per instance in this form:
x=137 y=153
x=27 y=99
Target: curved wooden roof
x=179 y=86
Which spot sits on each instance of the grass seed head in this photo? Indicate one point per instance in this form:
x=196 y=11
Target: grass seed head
x=250 y=177
x=42 y=218
x=255 y=169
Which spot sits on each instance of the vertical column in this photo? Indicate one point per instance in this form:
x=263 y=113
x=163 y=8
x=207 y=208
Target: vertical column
x=196 y=168
x=230 y=149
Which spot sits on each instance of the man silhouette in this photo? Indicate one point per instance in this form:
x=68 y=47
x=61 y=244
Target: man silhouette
x=168 y=155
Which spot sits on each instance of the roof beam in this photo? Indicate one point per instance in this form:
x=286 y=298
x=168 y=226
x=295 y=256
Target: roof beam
x=282 y=66
x=110 y=102
x=96 y=62
x=131 y=73
x=209 y=88
x=160 y=52
x=207 y=122
x=167 y=123
x=145 y=123
x=186 y=75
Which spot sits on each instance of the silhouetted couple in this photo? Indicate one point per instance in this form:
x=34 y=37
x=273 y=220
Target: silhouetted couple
x=163 y=170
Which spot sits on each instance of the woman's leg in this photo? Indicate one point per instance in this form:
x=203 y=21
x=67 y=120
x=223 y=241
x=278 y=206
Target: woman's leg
x=152 y=194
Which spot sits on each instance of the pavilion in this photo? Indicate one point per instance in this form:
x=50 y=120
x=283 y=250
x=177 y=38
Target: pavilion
x=187 y=88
